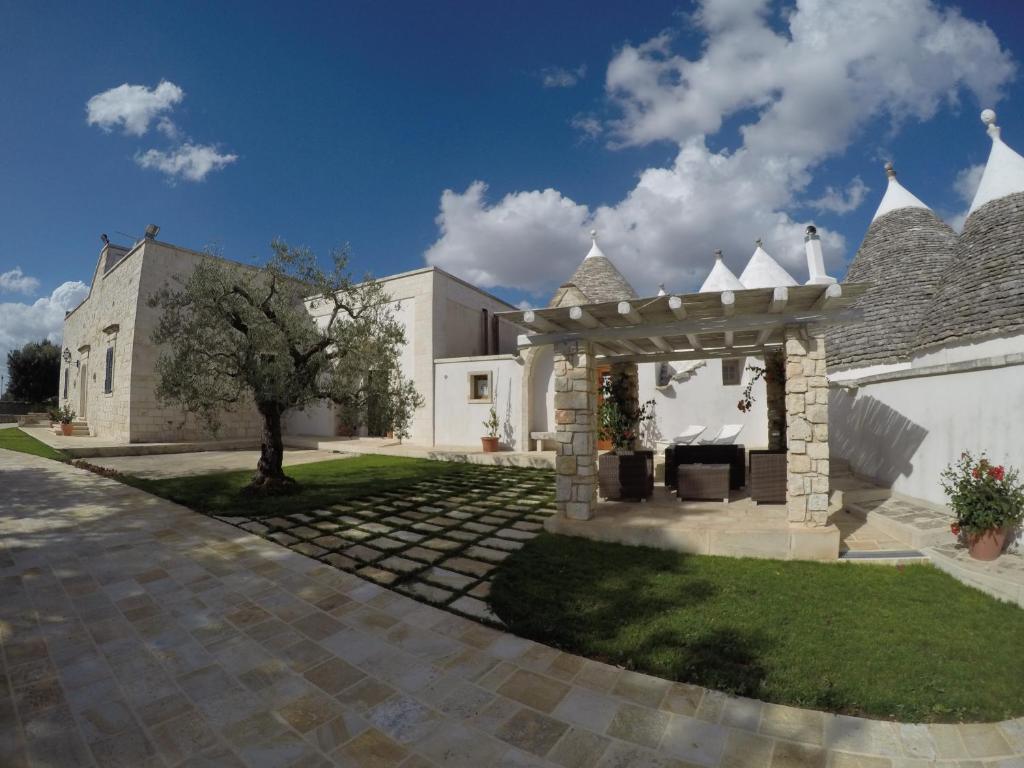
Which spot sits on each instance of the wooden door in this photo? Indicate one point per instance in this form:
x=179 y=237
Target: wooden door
x=603 y=374
x=83 y=391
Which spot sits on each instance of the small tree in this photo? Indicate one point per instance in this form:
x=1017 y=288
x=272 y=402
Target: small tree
x=231 y=336
x=35 y=372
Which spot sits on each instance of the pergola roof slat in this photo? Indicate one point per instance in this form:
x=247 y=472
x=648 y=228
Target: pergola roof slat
x=690 y=326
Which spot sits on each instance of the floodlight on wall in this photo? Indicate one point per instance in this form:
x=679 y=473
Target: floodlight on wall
x=66 y=355
x=151 y=231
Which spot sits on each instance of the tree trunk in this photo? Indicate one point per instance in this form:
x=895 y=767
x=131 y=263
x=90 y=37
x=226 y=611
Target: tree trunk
x=270 y=477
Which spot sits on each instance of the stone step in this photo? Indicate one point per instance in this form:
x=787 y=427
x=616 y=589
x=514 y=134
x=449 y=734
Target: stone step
x=78 y=429
x=1002 y=578
x=882 y=557
x=911 y=521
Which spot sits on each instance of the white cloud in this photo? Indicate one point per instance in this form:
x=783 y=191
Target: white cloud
x=44 y=318
x=842 y=201
x=559 y=77
x=191 y=162
x=588 y=125
x=167 y=127
x=802 y=94
x=967 y=181
x=965 y=185
x=132 y=107
x=16 y=281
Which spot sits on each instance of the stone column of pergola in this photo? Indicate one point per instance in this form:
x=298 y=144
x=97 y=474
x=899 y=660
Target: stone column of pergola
x=575 y=430
x=806 y=426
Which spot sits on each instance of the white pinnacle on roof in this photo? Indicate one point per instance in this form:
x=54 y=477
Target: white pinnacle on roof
x=595 y=251
x=721 y=278
x=762 y=271
x=1004 y=171
x=896 y=196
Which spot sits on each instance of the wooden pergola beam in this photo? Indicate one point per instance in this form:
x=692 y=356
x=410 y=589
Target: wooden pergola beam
x=584 y=318
x=675 y=303
x=629 y=313
x=542 y=324
x=830 y=296
x=780 y=297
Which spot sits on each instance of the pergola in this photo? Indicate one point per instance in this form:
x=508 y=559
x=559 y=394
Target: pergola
x=762 y=321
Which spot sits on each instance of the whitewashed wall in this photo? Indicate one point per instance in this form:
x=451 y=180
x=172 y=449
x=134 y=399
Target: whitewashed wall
x=905 y=432
x=702 y=399
x=459 y=422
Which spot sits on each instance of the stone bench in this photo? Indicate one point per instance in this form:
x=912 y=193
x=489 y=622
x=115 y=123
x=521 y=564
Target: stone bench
x=537 y=439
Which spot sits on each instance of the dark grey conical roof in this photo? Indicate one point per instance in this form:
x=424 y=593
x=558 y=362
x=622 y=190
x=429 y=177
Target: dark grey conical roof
x=982 y=292
x=598 y=278
x=903 y=256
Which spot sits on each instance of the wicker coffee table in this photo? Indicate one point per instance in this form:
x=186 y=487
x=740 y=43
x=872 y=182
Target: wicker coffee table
x=703 y=482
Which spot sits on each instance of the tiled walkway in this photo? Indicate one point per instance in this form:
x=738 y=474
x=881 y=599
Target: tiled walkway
x=136 y=633
x=437 y=540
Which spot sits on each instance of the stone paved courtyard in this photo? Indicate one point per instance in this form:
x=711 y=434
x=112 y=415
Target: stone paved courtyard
x=439 y=541
x=136 y=633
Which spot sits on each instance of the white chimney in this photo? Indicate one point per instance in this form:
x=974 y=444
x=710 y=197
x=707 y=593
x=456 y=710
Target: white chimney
x=815 y=258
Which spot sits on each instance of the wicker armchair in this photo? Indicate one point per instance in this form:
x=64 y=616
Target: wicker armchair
x=767 y=480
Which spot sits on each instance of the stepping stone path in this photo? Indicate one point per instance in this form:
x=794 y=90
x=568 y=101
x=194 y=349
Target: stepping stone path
x=439 y=541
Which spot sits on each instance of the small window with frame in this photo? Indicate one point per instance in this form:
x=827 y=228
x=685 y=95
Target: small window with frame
x=108 y=373
x=732 y=371
x=480 y=387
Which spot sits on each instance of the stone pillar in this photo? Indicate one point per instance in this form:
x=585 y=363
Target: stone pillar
x=575 y=430
x=775 y=396
x=807 y=468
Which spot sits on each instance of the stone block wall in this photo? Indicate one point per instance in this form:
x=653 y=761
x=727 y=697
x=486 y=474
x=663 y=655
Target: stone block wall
x=807 y=485
x=575 y=430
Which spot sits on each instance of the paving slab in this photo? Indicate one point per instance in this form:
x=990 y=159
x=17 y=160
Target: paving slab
x=266 y=657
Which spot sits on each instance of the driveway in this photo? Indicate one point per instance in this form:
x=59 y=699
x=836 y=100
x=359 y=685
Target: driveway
x=137 y=633
x=160 y=466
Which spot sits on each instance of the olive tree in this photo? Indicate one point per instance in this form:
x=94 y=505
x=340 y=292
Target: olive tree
x=231 y=337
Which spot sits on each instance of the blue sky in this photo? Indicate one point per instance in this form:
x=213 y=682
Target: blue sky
x=347 y=122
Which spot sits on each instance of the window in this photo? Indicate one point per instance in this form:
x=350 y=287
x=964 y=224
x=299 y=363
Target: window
x=108 y=376
x=732 y=371
x=480 y=387
x=67 y=370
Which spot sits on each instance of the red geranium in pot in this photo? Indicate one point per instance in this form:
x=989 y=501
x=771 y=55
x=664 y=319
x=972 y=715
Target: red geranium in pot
x=988 y=501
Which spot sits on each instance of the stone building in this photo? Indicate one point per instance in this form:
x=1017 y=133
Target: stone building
x=930 y=368
x=108 y=367
x=934 y=366
x=108 y=370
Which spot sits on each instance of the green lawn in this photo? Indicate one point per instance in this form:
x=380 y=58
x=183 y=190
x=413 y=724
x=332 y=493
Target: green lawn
x=14 y=439
x=906 y=643
x=321 y=484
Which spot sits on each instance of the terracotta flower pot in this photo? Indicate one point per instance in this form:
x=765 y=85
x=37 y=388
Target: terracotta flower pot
x=490 y=444
x=986 y=545
x=67 y=429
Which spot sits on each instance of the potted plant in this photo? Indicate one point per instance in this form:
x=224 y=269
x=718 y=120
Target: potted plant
x=492 y=425
x=65 y=416
x=988 y=501
x=623 y=472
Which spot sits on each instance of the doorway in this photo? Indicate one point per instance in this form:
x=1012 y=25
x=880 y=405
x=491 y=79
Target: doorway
x=83 y=390
x=604 y=374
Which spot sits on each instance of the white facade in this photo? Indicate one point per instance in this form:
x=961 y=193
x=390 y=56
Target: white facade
x=699 y=394
x=459 y=417
x=902 y=428
x=443 y=317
